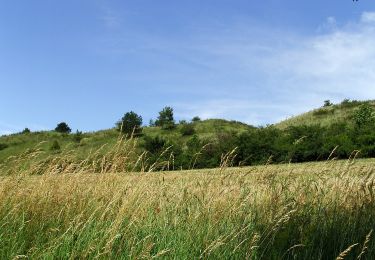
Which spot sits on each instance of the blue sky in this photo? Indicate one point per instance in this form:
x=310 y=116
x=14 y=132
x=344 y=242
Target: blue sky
x=87 y=62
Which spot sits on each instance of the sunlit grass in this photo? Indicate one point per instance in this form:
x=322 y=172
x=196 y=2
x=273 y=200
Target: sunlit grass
x=305 y=211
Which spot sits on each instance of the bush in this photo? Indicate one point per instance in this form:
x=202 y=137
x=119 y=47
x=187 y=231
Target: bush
x=55 y=146
x=364 y=115
x=323 y=112
x=63 y=128
x=78 y=136
x=165 y=119
x=347 y=103
x=3 y=146
x=154 y=144
x=187 y=129
x=130 y=124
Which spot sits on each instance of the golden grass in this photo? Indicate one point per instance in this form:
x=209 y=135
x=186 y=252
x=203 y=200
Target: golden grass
x=58 y=207
x=250 y=207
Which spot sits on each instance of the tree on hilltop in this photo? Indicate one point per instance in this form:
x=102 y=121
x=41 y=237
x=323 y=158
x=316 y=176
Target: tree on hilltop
x=165 y=119
x=130 y=124
x=63 y=128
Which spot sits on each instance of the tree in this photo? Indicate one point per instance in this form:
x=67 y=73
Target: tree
x=165 y=119
x=130 y=124
x=196 y=119
x=364 y=115
x=26 y=131
x=63 y=128
x=327 y=103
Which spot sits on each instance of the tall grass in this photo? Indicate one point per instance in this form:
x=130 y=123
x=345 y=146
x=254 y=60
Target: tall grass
x=61 y=208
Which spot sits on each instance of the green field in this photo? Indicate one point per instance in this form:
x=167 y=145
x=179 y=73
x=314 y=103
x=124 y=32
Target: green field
x=296 y=211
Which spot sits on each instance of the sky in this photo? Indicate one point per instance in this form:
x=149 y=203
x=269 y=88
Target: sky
x=87 y=62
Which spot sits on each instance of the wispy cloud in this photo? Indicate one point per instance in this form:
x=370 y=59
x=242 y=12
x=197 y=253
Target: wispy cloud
x=368 y=17
x=258 y=74
x=297 y=72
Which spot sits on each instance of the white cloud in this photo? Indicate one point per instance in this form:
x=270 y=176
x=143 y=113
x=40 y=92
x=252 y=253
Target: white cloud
x=247 y=111
x=338 y=64
x=242 y=71
x=299 y=72
x=368 y=17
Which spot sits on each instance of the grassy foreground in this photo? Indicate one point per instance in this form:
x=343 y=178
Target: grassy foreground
x=305 y=211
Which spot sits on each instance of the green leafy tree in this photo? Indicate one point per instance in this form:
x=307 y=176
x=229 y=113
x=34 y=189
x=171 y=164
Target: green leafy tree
x=364 y=115
x=26 y=131
x=327 y=103
x=165 y=119
x=63 y=128
x=196 y=119
x=130 y=123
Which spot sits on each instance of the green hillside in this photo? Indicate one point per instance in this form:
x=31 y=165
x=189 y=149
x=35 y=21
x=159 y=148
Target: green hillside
x=314 y=136
x=325 y=116
x=16 y=144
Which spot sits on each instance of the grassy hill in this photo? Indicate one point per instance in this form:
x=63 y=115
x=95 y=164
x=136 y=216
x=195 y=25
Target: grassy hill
x=325 y=115
x=16 y=144
x=221 y=136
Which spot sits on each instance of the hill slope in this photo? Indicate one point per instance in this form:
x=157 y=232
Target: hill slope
x=16 y=144
x=210 y=141
x=325 y=115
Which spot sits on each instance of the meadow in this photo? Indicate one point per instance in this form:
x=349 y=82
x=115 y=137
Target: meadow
x=294 y=211
x=102 y=195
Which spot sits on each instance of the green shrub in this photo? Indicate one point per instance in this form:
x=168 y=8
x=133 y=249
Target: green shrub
x=77 y=137
x=55 y=146
x=323 y=112
x=347 y=103
x=3 y=146
x=154 y=144
x=187 y=129
x=364 y=115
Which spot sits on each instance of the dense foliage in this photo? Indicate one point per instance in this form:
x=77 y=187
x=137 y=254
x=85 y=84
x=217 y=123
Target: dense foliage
x=264 y=145
x=63 y=128
x=130 y=124
x=165 y=119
